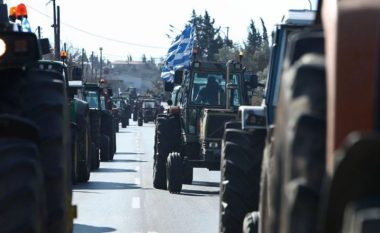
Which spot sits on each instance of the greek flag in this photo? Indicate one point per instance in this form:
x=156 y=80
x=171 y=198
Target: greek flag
x=25 y=26
x=179 y=54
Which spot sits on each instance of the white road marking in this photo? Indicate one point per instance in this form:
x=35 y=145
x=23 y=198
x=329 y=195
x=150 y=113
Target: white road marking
x=136 y=203
x=137 y=181
x=137 y=168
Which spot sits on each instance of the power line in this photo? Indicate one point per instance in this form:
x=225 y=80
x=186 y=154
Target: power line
x=100 y=36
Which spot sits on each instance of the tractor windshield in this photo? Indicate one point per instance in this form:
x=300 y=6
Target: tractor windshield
x=149 y=104
x=92 y=99
x=210 y=89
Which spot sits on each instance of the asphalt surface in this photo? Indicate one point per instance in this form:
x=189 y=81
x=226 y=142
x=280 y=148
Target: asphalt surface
x=120 y=196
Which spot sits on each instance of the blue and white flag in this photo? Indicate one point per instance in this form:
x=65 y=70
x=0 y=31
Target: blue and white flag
x=179 y=54
x=25 y=26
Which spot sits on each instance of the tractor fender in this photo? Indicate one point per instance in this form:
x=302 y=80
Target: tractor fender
x=80 y=111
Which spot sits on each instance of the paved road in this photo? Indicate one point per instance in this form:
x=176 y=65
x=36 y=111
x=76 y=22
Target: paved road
x=120 y=197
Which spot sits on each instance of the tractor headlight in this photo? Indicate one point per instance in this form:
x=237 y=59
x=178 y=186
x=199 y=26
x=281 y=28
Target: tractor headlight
x=3 y=47
x=213 y=145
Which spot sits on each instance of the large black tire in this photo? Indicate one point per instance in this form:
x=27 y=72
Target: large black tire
x=105 y=148
x=167 y=139
x=174 y=172
x=94 y=157
x=159 y=165
x=48 y=109
x=22 y=194
x=95 y=137
x=97 y=155
x=85 y=153
x=267 y=187
x=124 y=122
x=116 y=126
x=140 y=122
x=108 y=129
x=300 y=144
x=113 y=141
x=240 y=172
x=74 y=154
x=187 y=174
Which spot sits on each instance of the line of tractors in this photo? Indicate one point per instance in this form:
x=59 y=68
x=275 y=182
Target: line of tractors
x=307 y=159
x=54 y=130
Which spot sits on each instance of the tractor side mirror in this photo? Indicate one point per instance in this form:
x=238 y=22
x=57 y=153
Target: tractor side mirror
x=178 y=77
x=76 y=73
x=44 y=46
x=168 y=86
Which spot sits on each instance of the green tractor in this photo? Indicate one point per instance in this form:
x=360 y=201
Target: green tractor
x=124 y=112
x=102 y=128
x=248 y=168
x=189 y=136
x=82 y=145
x=149 y=110
x=35 y=153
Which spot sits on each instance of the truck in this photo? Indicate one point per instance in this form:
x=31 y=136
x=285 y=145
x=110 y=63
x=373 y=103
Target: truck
x=189 y=134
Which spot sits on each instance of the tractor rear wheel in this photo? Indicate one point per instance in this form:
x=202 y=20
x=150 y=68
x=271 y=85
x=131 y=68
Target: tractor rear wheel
x=104 y=148
x=174 y=172
x=300 y=143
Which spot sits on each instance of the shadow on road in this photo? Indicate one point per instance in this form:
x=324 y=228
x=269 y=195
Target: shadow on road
x=127 y=161
x=99 y=185
x=81 y=228
x=206 y=183
x=188 y=192
x=100 y=170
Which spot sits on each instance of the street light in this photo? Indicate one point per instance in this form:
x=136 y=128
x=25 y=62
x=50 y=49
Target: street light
x=101 y=63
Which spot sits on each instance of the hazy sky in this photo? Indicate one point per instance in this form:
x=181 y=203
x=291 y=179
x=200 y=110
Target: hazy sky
x=124 y=27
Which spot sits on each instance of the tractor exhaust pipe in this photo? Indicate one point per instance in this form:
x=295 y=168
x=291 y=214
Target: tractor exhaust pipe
x=227 y=84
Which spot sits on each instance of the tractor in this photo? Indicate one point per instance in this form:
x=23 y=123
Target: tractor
x=35 y=164
x=190 y=136
x=244 y=140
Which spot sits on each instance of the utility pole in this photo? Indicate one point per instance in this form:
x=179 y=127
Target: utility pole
x=58 y=28
x=39 y=32
x=82 y=64
x=92 y=65
x=56 y=48
x=101 y=63
x=228 y=29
